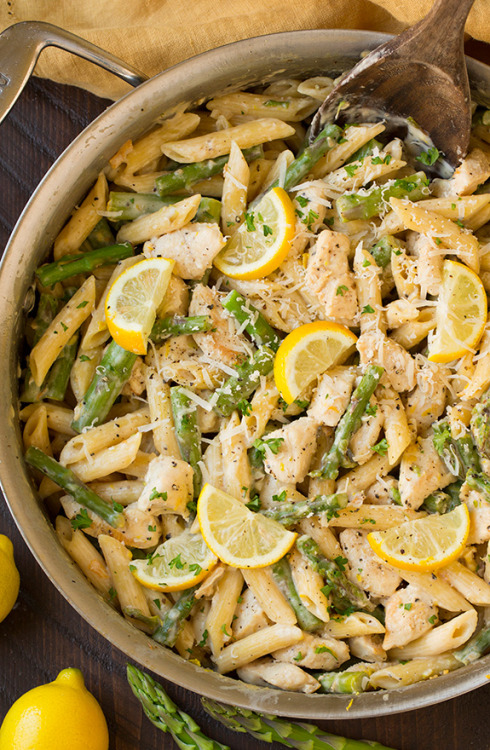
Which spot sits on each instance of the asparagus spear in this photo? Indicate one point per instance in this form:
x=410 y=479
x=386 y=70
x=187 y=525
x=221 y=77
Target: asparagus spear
x=370 y=203
x=173 y=620
x=165 y=715
x=130 y=206
x=110 y=376
x=101 y=235
x=476 y=646
x=343 y=593
x=244 y=383
x=257 y=327
x=443 y=501
x=365 y=150
x=71 y=265
x=148 y=623
x=480 y=482
x=74 y=486
x=290 y=513
x=269 y=728
x=281 y=572
x=383 y=249
x=187 y=432
x=349 y=423
x=459 y=455
x=344 y=682
x=59 y=373
x=177 y=325
x=185 y=177
x=480 y=425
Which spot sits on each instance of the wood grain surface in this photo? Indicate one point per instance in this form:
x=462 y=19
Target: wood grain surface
x=44 y=634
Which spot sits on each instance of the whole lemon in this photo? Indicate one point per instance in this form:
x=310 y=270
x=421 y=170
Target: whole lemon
x=61 y=715
x=9 y=577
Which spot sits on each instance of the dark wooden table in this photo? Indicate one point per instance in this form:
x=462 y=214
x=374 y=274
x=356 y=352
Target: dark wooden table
x=44 y=634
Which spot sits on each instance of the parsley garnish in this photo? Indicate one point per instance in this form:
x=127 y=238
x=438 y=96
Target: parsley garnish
x=302 y=200
x=195 y=568
x=112 y=593
x=203 y=640
x=245 y=407
x=351 y=169
x=432 y=619
x=84 y=358
x=341 y=562
x=152 y=528
x=117 y=507
x=223 y=630
x=82 y=304
x=65 y=328
x=324 y=649
x=274 y=445
x=266 y=230
x=371 y=410
x=254 y=504
x=298 y=656
x=429 y=157
x=177 y=563
x=408 y=607
x=155 y=494
x=250 y=222
x=81 y=520
x=367 y=309
x=341 y=289
x=381 y=447
x=157 y=603
x=279 y=498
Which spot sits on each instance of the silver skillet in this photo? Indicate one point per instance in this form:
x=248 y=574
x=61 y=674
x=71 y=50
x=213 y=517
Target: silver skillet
x=298 y=53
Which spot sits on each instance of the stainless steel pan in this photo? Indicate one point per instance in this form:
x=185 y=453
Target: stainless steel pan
x=300 y=53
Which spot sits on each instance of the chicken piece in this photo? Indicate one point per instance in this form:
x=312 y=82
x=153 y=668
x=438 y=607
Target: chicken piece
x=473 y=171
x=429 y=263
x=249 y=616
x=193 y=248
x=271 y=489
x=310 y=209
x=136 y=383
x=377 y=349
x=329 y=277
x=142 y=529
x=315 y=652
x=176 y=300
x=294 y=451
x=266 y=672
x=332 y=395
x=366 y=436
x=479 y=510
x=168 y=486
x=427 y=401
x=400 y=311
x=383 y=492
x=367 y=569
x=223 y=343
x=409 y=614
x=368 y=648
x=421 y=472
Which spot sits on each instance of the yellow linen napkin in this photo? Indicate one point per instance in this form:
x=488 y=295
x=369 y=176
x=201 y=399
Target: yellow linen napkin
x=155 y=34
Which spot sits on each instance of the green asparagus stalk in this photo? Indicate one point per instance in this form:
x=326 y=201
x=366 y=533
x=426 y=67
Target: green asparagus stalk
x=101 y=235
x=165 y=715
x=480 y=425
x=371 y=202
x=173 y=621
x=185 y=177
x=130 y=206
x=149 y=623
x=443 y=501
x=343 y=682
x=383 y=249
x=459 y=455
x=344 y=594
x=269 y=728
x=365 y=150
x=110 y=376
x=177 y=325
x=480 y=482
x=59 y=373
x=349 y=423
x=322 y=505
x=281 y=572
x=71 y=265
x=187 y=432
x=72 y=485
x=208 y=211
x=304 y=163
x=476 y=646
x=244 y=383
x=259 y=330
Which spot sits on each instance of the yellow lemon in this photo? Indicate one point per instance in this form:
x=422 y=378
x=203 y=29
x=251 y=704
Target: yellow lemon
x=308 y=351
x=179 y=563
x=426 y=543
x=9 y=577
x=133 y=300
x=237 y=535
x=61 y=715
x=262 y=242
x=461 y=313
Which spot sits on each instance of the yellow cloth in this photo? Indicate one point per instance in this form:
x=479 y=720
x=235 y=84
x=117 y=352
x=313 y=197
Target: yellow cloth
x=155 y=34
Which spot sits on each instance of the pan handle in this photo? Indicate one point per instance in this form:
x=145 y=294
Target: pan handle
x=21 y=45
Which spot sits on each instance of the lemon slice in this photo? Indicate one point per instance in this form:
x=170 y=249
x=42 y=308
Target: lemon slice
x=238 y=536
x=262 y=241
x=461 y=313
x=178 y=563
x=132 y=302
x=308 y=351
x=425 y=544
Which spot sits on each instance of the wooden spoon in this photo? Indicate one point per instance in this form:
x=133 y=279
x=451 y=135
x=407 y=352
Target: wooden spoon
x=420 y=74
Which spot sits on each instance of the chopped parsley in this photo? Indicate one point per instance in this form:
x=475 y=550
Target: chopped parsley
x=351 y=169
x=82 y=520
x=177 y=563
x=65 y=328
x=366 y=263
x=250 y=222
x=117 y=507
x=437 y=240
x=195 y=568
x=429 y=157
x=341 y=562
x=408 y=606
x=112 y=593
x=157 y=603
x=254 y=503
x=266 y=230
x=245 y=407
x=381 y=447
x=371 y=410
x=302 y=200
x=154 y=495
x=82 y=304
x=341 y=289
x=298 y=656
x=367 y=309
x=203 y=640
x=379 y=160
x=432 y=619
x=152 y=528
x=274 y=445
x=223 y=630
x=84 y=358
x=279 y=498
x=323 y=650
